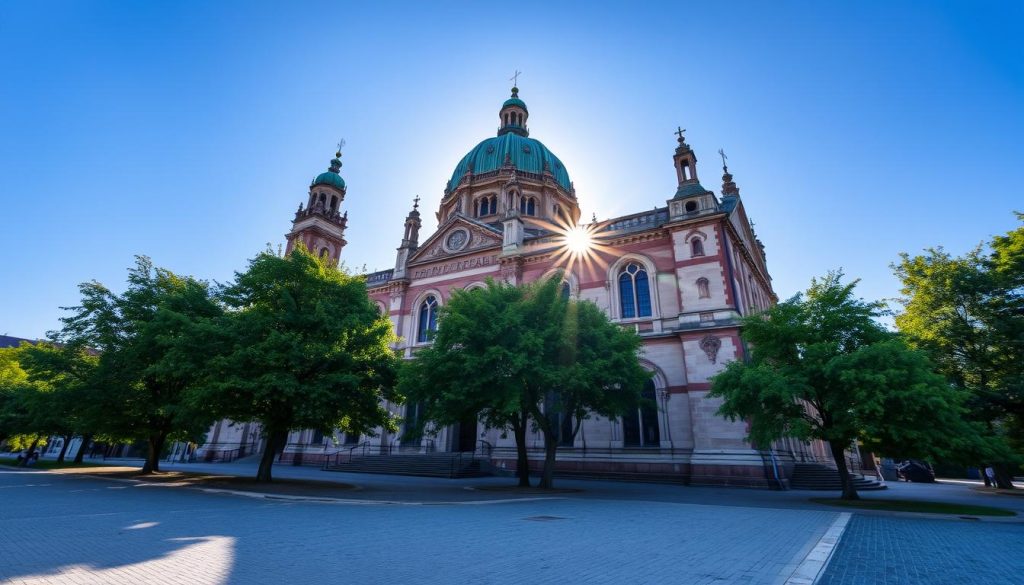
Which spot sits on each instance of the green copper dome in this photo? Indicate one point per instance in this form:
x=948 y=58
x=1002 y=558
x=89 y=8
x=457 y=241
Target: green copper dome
x=527 y=154
x=514 y=101
x=329 y=178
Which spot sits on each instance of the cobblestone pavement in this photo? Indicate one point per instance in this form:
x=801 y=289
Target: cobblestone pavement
x=71 y=529
x=879 y=550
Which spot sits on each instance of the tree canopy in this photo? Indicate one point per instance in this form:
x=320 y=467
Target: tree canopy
x=967 y=314
x=515 y=356
x=820 y=366
x=140 y=334
x=300 y=347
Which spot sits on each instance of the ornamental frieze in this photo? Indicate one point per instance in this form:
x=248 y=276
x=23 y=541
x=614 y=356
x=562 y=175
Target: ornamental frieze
x=453 y=267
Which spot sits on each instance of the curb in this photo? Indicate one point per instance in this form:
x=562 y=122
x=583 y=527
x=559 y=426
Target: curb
x=813 y=566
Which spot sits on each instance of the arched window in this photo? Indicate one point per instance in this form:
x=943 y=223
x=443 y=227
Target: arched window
x=528 y=206
x=324 y=252
x=486 y=206
x=566 y=289
x=428 y=319
x=691 y=206
x=634 y=292
x=703 y=291
x=334 y=202
x=640 y=427
x=696 y=247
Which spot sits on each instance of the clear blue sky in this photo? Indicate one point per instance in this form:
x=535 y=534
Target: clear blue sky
x=189 y=131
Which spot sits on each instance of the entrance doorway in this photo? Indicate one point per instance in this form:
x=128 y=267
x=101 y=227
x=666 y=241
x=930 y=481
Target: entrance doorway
x=640 y=428
x=464 y=435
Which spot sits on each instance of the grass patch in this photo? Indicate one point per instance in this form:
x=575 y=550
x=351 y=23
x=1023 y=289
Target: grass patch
x=916 y=506
x=49 y=464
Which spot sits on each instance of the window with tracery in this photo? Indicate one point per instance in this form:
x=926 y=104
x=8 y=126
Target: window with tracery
x=428 y=319
x=528 y=206
x=487 y=205
x=634 y=292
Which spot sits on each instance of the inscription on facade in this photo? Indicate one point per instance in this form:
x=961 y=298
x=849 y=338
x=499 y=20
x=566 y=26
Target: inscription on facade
x=455 y=266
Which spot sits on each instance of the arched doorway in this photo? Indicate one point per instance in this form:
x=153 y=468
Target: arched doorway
x=640 y=428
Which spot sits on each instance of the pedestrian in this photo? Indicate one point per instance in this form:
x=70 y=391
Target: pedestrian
x=990 y=475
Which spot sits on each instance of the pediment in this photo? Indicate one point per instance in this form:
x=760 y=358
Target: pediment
x=457 y=236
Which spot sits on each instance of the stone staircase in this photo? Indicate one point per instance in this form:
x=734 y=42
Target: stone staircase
x=815 y=476
x=450 y=465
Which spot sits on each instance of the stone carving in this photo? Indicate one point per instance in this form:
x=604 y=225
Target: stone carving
x=457 y=240
x=711 y=344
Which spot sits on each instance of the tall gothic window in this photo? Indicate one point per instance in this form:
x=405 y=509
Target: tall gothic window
x=634 y=292
x=566 y=289
x=640 y=427
x=428 y=319
x=696 y=247
x=703 y=290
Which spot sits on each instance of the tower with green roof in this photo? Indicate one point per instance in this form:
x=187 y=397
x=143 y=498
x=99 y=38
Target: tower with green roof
x=319 y=225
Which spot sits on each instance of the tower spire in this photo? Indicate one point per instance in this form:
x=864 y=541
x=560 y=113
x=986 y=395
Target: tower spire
x=728 y=185
x=685 y=159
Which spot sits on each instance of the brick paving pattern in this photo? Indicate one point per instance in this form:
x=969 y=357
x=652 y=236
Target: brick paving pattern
x=59 y=529
x=879 y=550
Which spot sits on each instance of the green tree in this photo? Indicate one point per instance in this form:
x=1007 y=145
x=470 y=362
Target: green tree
x=518 y=356
x=140 y=335
x=821 y=367
x=15 y=392
x=302 y=347
x=12 y=377
x=481 y=332
x=62 y=378
x=967 y=313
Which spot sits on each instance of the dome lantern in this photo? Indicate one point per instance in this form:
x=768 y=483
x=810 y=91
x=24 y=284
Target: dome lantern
x=513 y=115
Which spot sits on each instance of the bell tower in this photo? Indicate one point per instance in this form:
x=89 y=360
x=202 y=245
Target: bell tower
x=320 y=225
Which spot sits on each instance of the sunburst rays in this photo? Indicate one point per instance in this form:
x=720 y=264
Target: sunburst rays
x=577 y=245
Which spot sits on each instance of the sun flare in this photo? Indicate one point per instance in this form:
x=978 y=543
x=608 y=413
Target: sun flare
x=578 y=240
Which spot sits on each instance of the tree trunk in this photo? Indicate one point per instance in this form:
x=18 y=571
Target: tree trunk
x=275 y=439
x=522 y=457
x=1004 y=479
x=28 y=454
x=849 y=491
x=86 y=439
x=155 y=444
x=547 y=479
x=64 y=448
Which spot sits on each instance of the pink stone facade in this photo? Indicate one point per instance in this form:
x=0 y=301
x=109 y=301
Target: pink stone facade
x=701 y=265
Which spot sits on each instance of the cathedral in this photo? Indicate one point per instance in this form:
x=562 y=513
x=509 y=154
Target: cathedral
x=680 y=275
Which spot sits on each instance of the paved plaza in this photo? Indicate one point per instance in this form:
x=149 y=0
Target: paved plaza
x=61 y=528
